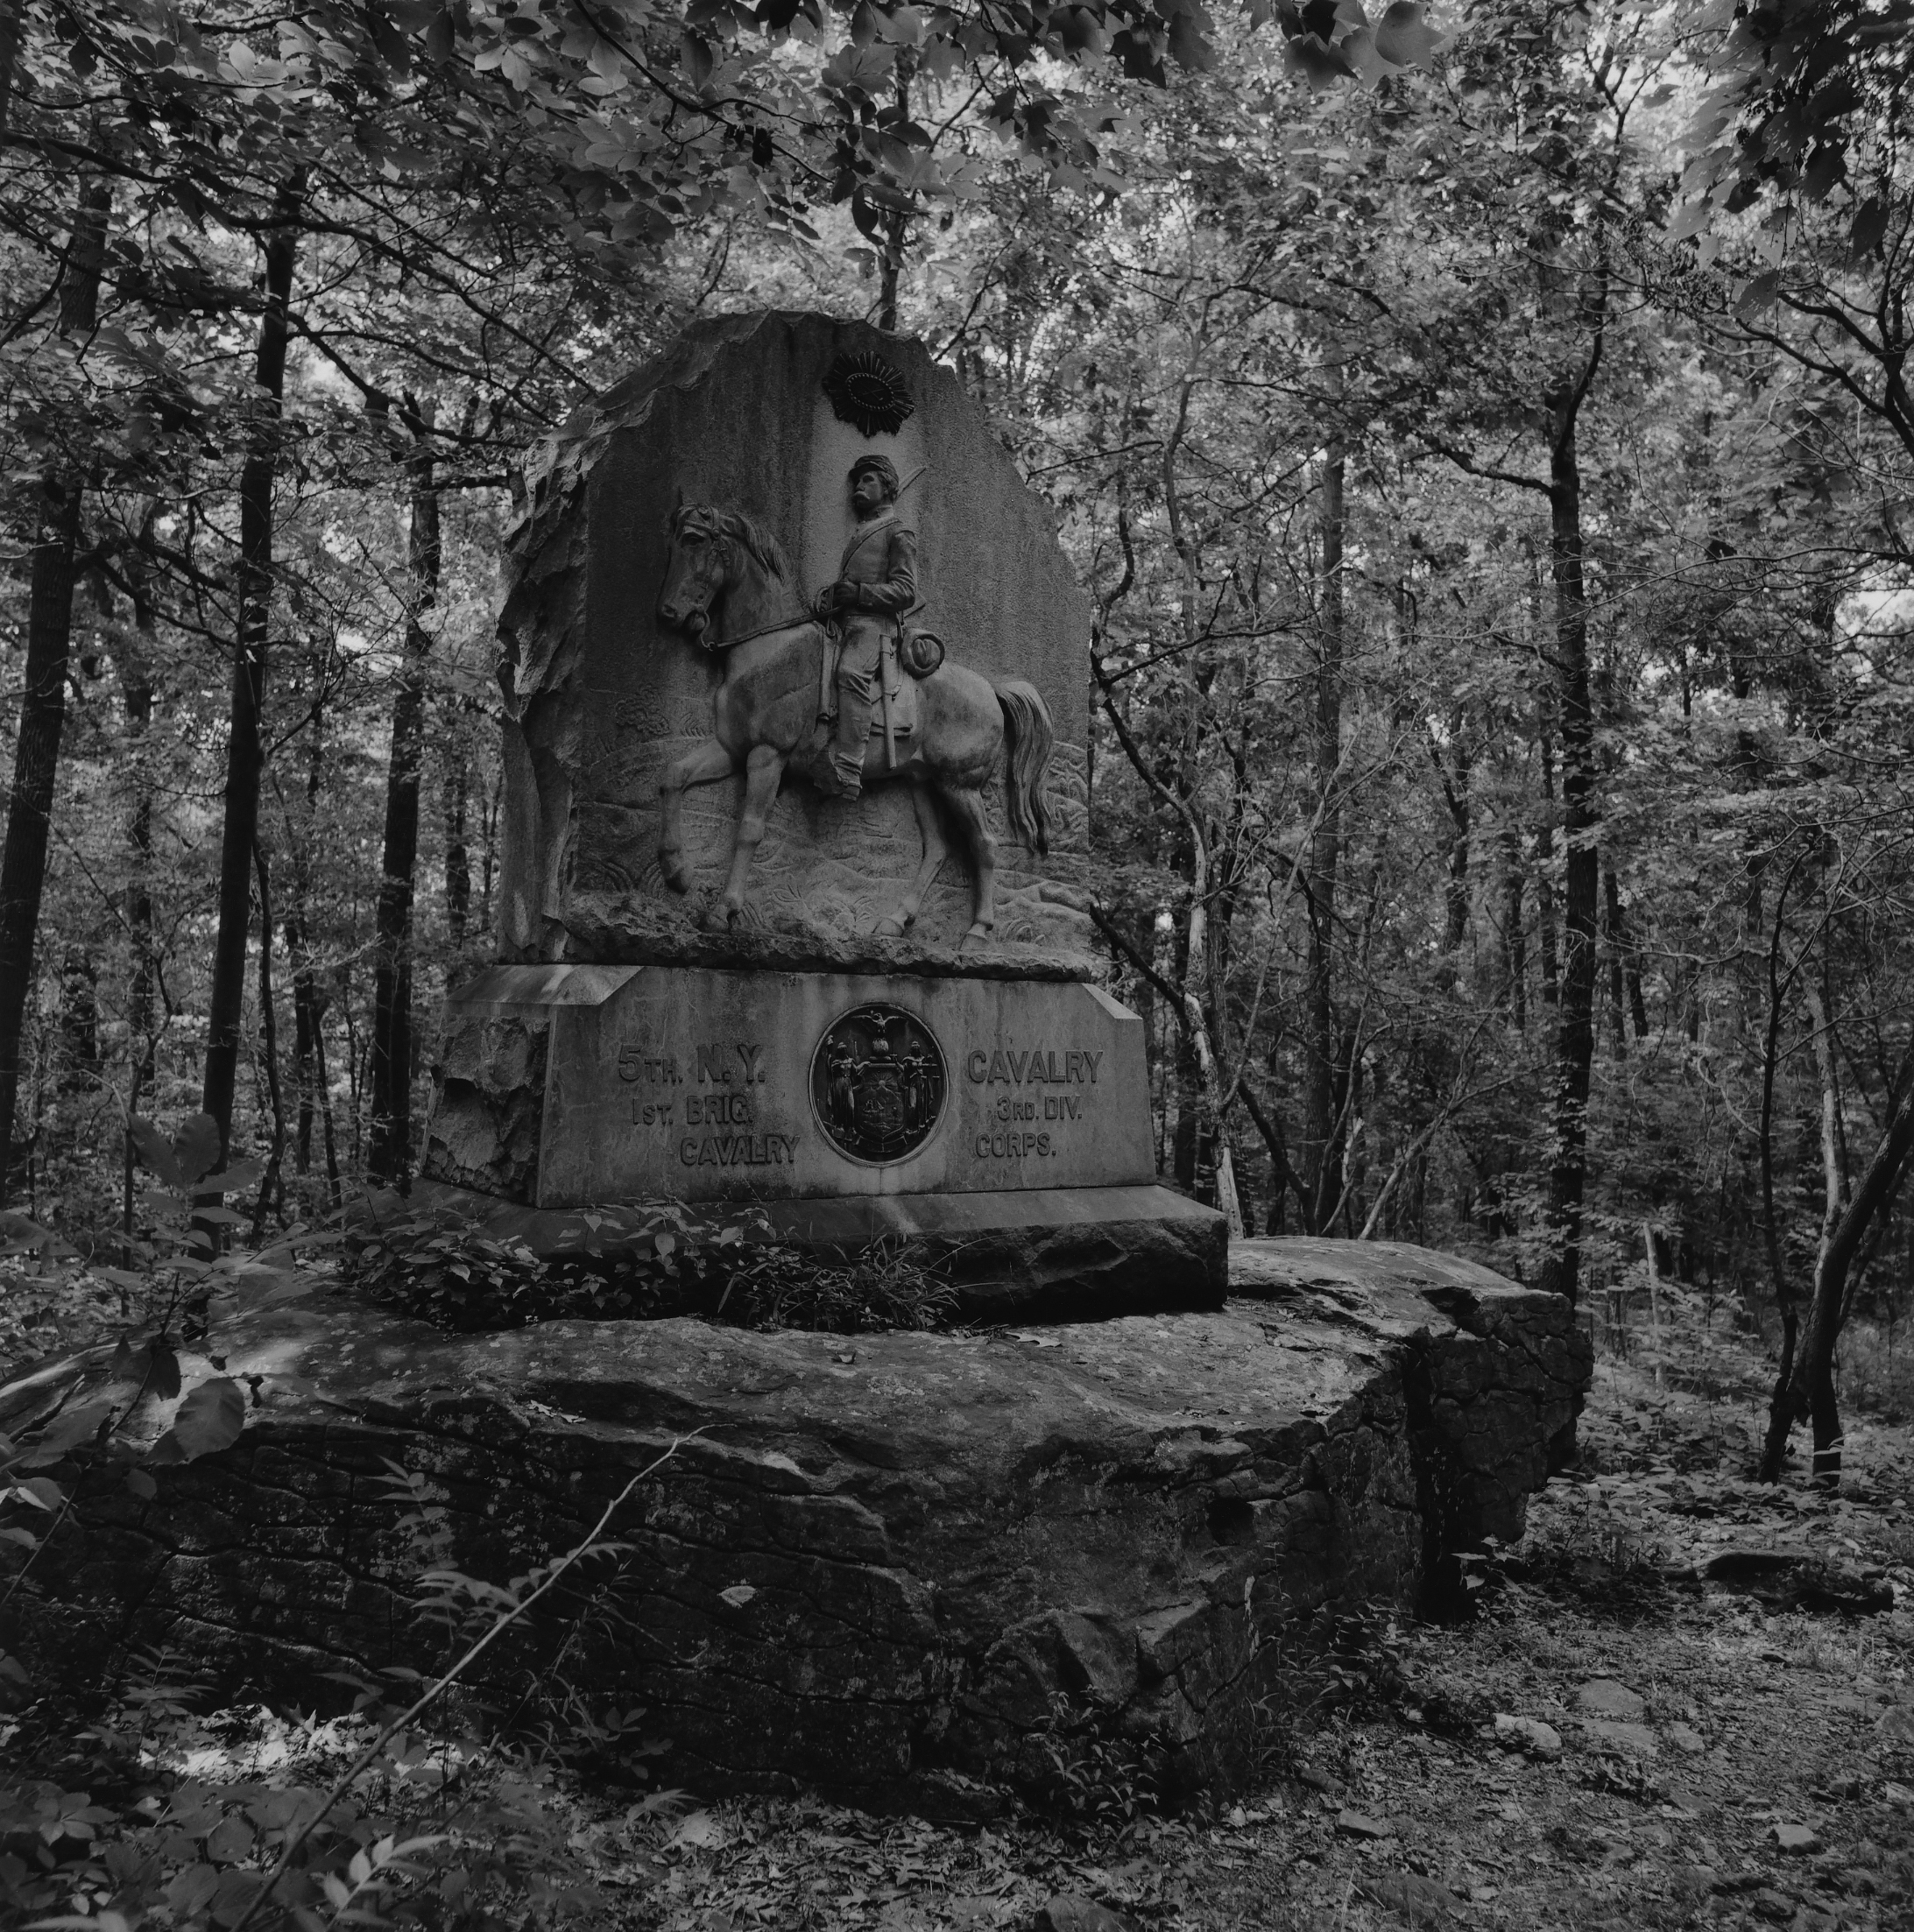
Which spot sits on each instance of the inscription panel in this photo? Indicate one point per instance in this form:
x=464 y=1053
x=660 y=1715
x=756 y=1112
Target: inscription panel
x=715 y=1085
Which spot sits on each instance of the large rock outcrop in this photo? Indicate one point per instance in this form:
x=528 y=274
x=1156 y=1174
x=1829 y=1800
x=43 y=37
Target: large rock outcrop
x=904 y=1570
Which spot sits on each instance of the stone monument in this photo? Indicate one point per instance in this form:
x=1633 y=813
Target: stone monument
x=794 y=820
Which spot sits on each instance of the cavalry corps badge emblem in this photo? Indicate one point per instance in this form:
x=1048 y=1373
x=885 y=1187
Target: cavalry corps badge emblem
x=877 y=1083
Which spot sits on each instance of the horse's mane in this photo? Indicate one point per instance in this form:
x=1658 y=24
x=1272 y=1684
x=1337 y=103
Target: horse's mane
x=763 y=546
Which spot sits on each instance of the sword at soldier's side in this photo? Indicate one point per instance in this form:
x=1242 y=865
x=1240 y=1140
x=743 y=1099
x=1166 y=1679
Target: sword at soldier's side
x=889 y=646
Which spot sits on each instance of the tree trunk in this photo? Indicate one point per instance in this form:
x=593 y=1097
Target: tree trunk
x=269 y=1019
x=1453 y=774
x=1611 y=919
x=245 y=749
x=896 y=223
x=43 y=699
x=13 y=13
x=136 y=668
x=1561 y=1268
x=455 y=778
x=1781 y=1402
x=308 y=1004
x=1874 y=1195
x=1321 y=1108
x=1515 y=939
x=390 y=1159
x=1551 y=978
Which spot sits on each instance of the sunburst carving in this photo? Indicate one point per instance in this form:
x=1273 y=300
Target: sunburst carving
x=867 y=392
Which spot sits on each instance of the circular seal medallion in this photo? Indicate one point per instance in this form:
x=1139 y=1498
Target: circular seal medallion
x=877 y=1083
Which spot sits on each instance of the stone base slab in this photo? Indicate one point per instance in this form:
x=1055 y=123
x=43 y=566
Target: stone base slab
x=1055 y=1254
x=906 y=1571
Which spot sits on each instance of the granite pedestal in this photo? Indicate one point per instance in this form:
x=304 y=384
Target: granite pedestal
x=1019 y=1163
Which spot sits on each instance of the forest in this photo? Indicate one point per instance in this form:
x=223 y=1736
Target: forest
x=1483 y=440
x=1481 y=428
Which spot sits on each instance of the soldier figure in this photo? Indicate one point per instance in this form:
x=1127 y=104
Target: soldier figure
x=877 y=583
x=841 y=1078
x=915 y=1067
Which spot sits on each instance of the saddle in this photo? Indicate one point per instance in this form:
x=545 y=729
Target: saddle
x=895 y=708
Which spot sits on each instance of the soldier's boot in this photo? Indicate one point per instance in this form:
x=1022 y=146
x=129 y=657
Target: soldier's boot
x=853 y=738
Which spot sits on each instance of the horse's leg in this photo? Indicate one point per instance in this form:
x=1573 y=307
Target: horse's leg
x=968 y=803
x=764 y=768
x=935 y=850
x=703 y=764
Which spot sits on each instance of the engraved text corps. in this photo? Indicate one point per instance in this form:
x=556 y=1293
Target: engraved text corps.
x=1007 y=1138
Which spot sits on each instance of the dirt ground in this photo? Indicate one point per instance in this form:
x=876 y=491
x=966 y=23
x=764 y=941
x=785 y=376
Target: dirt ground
x=1719 y=1763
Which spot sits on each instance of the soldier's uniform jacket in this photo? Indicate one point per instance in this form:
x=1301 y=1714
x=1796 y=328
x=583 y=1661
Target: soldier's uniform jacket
x=881 y=561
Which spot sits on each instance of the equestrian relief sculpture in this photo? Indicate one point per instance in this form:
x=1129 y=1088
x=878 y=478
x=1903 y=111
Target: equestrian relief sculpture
x=843 y=694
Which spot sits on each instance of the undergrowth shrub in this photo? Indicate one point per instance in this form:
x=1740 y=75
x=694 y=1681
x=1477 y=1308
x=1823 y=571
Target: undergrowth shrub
x=454 y=1274
x=442 y=1802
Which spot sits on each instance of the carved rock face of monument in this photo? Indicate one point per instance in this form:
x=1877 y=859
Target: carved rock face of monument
x=795 y=811
x=667 y=574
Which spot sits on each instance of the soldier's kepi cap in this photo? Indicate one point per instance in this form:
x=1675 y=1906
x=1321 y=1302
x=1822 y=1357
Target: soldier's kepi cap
x=881 y=466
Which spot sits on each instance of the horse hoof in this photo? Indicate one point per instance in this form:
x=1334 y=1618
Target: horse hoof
x=977 y=935
x=675 y=875
x=892 y=927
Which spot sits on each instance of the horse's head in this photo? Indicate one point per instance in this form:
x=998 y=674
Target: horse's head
x=700 y=566
x=710 y=553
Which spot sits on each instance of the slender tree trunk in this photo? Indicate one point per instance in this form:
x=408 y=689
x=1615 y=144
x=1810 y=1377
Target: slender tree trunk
x=245 y=749
x=1551 y=978
x=1453 y=774
x=269 y=1020
x=1611 y=921
x=1321 y=1107
x=49 y=633
x=1515 y=939
x=1455 y=924
x=308 y=1006
x=13 y=13
x=1873 y=1196
x=896 y=223
x=1575 y=1035
x=310 y=1042
x=135 y=666
x=1781 y=1401
x=455 y=778
x=1631 y=964
x=390 y=1161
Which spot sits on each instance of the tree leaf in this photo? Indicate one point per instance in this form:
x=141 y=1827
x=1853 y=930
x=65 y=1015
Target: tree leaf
x=1190 y=44
x=241 y=1175
x=1322 y=65
x=65 y=1433
x=1405 y=37
x=1870 y=225
x=211 y=1418
x=196 y=1147
x=191 y=1891
x=1359 y=50
x=155 y=1150
x=163 y=1373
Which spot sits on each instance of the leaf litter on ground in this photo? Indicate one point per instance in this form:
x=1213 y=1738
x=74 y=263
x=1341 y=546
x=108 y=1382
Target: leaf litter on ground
x=1637 y=1748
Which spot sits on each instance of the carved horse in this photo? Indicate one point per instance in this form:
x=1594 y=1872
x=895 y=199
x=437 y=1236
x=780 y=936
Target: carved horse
x=728 y=588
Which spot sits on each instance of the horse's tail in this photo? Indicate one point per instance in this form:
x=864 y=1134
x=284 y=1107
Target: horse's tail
x=1027 y=753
